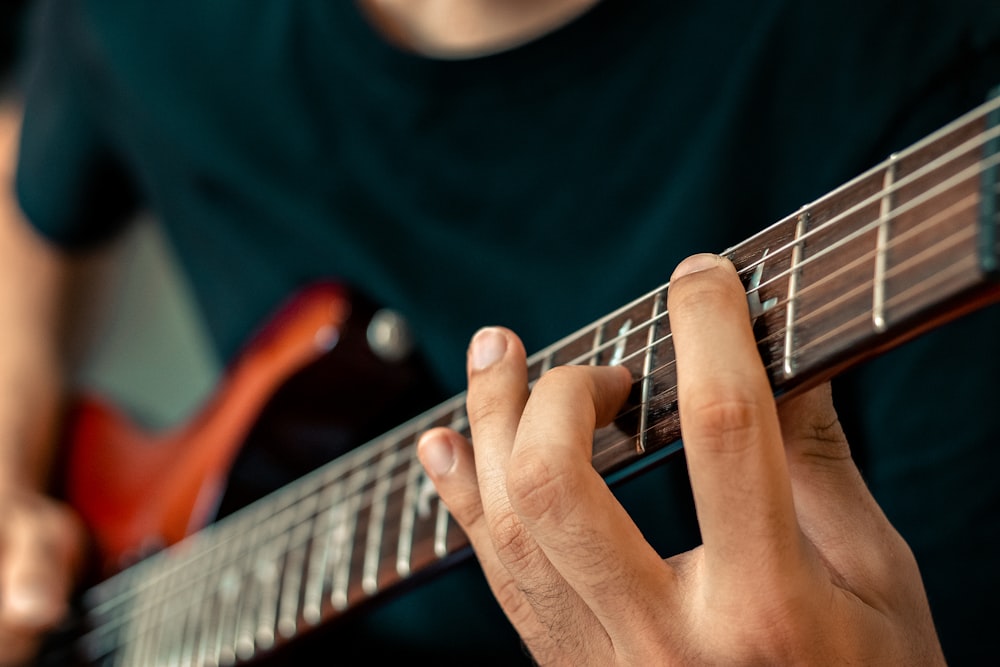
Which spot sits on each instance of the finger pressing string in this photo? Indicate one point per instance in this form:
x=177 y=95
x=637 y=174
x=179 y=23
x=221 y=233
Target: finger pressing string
x=729 y=424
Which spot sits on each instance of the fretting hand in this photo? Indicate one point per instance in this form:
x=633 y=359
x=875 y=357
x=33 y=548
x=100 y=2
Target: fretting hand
x=798 y=564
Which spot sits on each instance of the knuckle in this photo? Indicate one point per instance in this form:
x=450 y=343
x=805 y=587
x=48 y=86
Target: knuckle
x=466 y=508
x=811 y=424
x=538 y=487
x=511 y=541
x=725 y=421
x=825 y=442
x=484 y=408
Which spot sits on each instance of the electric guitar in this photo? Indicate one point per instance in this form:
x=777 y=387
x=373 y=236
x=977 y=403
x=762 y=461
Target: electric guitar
x=906 y=246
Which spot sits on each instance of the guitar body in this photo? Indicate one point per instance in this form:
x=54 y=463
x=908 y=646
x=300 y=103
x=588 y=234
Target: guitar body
x=308 y=375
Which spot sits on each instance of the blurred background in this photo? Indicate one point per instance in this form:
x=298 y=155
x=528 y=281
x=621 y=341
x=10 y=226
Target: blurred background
x=141 y=344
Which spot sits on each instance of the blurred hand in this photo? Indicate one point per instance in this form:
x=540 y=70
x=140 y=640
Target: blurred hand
x=42 y=546
x=798 y=564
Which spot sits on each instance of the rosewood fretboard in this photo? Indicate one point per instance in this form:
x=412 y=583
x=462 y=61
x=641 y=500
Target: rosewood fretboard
x=903 y=247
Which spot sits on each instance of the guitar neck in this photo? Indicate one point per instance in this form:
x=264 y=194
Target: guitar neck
x=904 y=247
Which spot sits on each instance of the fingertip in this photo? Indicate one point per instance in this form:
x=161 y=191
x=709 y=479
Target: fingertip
x=625 y=377
x=487 y=347
x=437 y=452
x=698 y=263
x=617 y=392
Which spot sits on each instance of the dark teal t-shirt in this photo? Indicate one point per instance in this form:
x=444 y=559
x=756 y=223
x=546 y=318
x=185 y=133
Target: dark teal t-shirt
x=539 y=188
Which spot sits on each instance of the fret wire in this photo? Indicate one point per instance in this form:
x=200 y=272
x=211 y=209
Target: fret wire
x=301 y=529
x=341 y=577
x=970 y=173
x=288 y=601
x=348 y=458
x=155 y=629
x=408 y=520
x=545 y=364
x=204 y=648
x=319 y=560
x=144 y=625
x=441 y=530
x=242 y=575
x=227 y=593
x=250 y=599
x=210 y=604
x=951 y=239
x=376 y=520
x=967 y=202
x=955 y=237
x=269 y=572
x=943 y=160
x=182 y=557
x=608 y=343
x=189 y=633
x=793 y=290
x=881 y=256
x=647 y=363
x=864 y=287
x=276 y=518
x=272 y=545
x=954 y=181
x=248 y=596
x=177 y=618
x=660 y=394
x=657 y=342
x=596 y=347
x=161 y=635
x=935 y=279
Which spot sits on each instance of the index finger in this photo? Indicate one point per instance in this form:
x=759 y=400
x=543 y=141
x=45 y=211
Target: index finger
x=729 y=424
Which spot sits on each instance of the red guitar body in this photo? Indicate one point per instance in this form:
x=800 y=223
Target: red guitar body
x=138 y=491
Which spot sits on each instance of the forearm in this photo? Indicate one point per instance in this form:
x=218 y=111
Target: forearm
x=31 y=280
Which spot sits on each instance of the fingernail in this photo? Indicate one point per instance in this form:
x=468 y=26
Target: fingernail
x=696 y=263
x=437 y=455
x=488 y=346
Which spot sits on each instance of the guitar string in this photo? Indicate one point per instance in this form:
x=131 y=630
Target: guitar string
x=901 y=183
x=861 y=288
x=369 y=492
x=392 y=534
x=749 y=268
x=772 y=279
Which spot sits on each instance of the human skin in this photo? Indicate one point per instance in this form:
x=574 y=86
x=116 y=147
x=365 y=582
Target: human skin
x=798 y=564
x=42 y=542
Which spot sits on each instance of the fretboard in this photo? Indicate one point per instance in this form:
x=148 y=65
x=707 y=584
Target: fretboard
x=902 y=248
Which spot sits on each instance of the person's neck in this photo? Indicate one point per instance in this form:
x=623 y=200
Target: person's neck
x=468 y=28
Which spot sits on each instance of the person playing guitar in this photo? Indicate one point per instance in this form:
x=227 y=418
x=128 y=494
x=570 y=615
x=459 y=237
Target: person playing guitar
x=526 y=167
